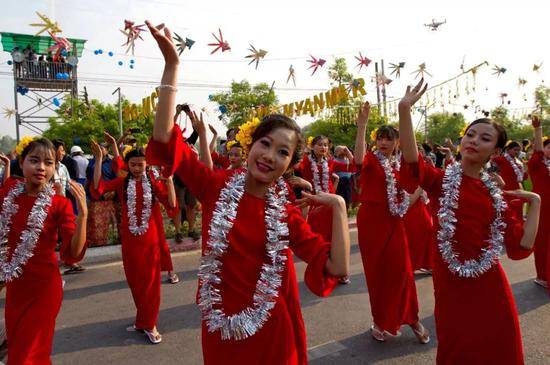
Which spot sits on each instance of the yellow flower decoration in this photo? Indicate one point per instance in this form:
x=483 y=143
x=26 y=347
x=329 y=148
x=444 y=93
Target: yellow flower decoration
x=309 y=142
x=230 y=144
x=463 y=131
x=244 y=136
x=126 y=150
x=373 y=134
x=545 y=138
x=23 y=144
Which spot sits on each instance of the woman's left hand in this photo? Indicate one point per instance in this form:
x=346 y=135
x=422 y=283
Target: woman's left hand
x=331 y=200
x=298 y=182
x=79 y=195
x=523 y=194
x=165 y=43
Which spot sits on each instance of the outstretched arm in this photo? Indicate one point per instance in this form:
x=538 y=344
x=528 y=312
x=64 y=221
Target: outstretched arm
x=204 y=154
x=164 y=121
x=531 y=224
x=98 y=155
x=407 y=139
x=114 y=145
x=535 y=121
x=212 y=145
x=79 y=236
x=362 y=121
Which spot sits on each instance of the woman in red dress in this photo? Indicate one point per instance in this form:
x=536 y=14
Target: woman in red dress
x=248 y=293
x=382 y=237
x=319 y=169
x=141 y=232
x=31 y=220
x=539 y=170
x=418 y=226
x=475 y=314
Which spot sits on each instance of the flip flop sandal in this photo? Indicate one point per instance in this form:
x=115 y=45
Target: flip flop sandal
x=173 y=279
x=541 y=282
x=133 y=328
x=154 y=338
x=377 y=334
x=423 y=335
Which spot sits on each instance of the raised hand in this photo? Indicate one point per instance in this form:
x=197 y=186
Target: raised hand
x=413 y=95
x=77 y=191
x=535 y=121
x=331 y=200
x=198 y=123
x=96 y=150
x=108 y=138
x=212 y=129
x=298 y=182
x=523 y=194
x=165 y=42
x=363 y=117
x=4 y=159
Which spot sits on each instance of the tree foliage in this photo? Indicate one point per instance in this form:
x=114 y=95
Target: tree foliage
x=242 y=98
x=7 y=144
x=443 y=125
x=90 y=121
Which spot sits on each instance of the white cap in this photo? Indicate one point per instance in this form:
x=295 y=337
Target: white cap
x=76 y=149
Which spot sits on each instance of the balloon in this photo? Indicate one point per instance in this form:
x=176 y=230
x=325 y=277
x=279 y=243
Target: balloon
x=63 y=53
x=58 y=75
x=10 y=62
x=111 y=54
x=120 y=63
x=56 y=102
x=132 y=66
x=96 y=52
x=100 y=51
x=132 y=61
x=222 y=109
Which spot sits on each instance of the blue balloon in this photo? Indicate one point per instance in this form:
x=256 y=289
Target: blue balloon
x=56 y=102
x=132 y=67
x=96 y=52
x=58 y=75
x=120 y=63
x=210 y=97
x=10 y=62
x=222 y=109
x=63 y=53
x=111 y=54
x=100 y=51
x=132 y=61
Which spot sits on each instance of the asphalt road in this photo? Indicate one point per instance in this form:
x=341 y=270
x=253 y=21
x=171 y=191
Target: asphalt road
x=97 y=309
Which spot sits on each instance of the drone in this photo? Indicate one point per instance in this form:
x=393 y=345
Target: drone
x=435 y=25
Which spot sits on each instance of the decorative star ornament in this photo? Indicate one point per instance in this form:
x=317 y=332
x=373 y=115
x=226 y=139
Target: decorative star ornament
x=421 y=71
x=396 y=68
x=291 y=75
x=220 y=43
x=132 y=33
x=315 y=63
x=256 y=55
x=499 y=70
x=8 y=112
x=48 y=25
x=362 y=61
x=182 y=44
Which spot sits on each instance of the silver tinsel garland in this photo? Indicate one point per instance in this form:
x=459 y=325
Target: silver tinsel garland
x=447 y=225
x=517 y=166
x=396 y=209
x=315 y=171
x=35 y=222
x=131 y=200
x=251 y=319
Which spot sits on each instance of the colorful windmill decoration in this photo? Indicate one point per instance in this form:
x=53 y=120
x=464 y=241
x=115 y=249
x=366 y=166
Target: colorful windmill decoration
x=536 y=67
x=291 y=75
x=315 y=63
x=421 y=71
x=132 y=33
x=396 y=69
x=522 y=82
x=47 y=26
x=8 y=112
x=61 y=45
x=256 y=55
x=362 y=61
x=220 y=43
x=499 y=70
x=382 y=80
x=182 y=44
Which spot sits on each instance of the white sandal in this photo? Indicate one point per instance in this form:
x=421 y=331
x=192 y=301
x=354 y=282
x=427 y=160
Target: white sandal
x=154 y=337
x=541 y=282
x=422 y=334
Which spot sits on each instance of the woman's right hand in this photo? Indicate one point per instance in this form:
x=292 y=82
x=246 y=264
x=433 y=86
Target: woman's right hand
x=165 y=43
x=198 y=123
x=212 y=129
x=108 y=138
x=535 y=121
x=96 y=151
x=363 y=117
x=5 y=159
x=413 y=95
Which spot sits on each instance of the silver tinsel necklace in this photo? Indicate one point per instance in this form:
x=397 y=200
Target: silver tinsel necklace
x=447 y=225
x=517 y=166
x=251 y=319
x=396 y=209
x=315 y=171
x=131 y=199
x=10 y=270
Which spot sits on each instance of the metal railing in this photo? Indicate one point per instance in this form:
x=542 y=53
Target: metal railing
x=43 y=71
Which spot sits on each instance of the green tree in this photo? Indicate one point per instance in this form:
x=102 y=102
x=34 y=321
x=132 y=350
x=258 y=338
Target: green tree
x=89 y=122
x=514 y=128
x=338 y=72
x=542 y=98
x=7 y=144
x=242 y=98
x=443 y=125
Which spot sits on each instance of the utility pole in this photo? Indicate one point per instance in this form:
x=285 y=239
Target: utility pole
x=119 y=110
x=377 y=84
x=384 y=90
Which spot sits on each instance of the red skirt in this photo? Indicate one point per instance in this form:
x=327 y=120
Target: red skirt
x=320 y=221
x=387 y=265
x=419 y=228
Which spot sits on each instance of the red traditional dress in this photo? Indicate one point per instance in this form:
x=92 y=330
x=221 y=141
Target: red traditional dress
x=142 y=254
x=476 y=318
x=282 y=339
x=219 y=161
x=539 y=170
x=419 y=227
x=320 y=217
x=513 y=175
x=385 y=252
x=34 y=298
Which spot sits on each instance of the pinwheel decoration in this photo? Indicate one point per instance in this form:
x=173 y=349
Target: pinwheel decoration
x=8 y=112
x=315 y=63
x=291 y=75
x=132 y=33
x=182 y=44
x=536 y=67
x=421 y=71
x=499 y=70
x=47 y=26
x=382 y=80
x=256 y=55
x=522 y=82
x=362 y=61
x=61 y=44
x=396 y=68
x=220 y=43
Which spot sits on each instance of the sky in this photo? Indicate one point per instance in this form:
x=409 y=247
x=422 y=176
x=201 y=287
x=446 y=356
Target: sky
x=509 y=34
